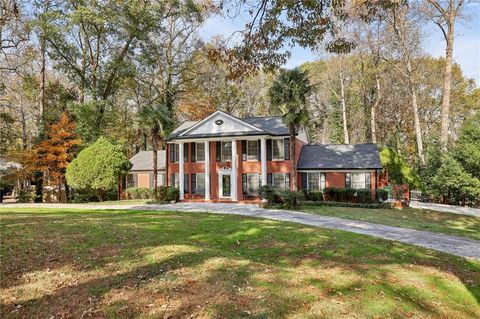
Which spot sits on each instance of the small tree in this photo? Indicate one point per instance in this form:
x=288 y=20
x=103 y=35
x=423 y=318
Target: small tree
x=467 y=149
x=55 y=153
x=98 y=167
x=454 y=184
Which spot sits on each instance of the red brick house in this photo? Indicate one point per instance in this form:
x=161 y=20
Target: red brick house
x=224 y=158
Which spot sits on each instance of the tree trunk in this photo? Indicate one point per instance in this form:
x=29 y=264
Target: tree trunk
x=59 y=194
x=67 y=190
x=373 y=110
x=293 y=158
x=155 y=166
x=418 y=131
x=41 y=128
x=447 y=82
x=346 y=140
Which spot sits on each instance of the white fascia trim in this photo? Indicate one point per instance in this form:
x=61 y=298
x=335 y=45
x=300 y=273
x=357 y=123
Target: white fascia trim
x=219 y=138
x=223 y=113
x=336 y=171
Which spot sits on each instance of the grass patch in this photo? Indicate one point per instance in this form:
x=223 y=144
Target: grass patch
x=438 y=222
x=123 y=264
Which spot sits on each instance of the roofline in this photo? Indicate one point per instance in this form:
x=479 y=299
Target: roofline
x=224 y=113
x=299 y=169
x=216 y=137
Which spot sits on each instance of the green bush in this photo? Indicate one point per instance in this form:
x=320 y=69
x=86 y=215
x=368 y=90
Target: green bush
x=331 y=193
x=315 y=196
x=167 y=194
x=291 y=199
x=382 y=194
x=24 y=196
x=270 y=193
x=344 y=204
x=139 y=193
x=172 y=194
x=349 y=194
x=364 y=195
x=83 y=195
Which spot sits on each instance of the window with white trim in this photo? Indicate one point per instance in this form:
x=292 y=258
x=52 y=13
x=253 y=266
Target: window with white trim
x=278 y=150
x=200 y=152
x=316 y=181
x=131 y=180
x=252 y=150
x=226 y=151
x=313 y=182
x=253 y=183
x=357 y=180
x=281 y=180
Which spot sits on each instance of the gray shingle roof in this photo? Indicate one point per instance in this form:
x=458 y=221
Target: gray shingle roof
x=143 y=161
x=270 y=124
x=182 y=128
x=339 y=156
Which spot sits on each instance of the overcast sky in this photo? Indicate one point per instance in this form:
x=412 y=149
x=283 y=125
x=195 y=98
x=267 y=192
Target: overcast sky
x=466 y=49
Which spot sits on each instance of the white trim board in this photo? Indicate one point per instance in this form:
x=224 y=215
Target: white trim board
x=230 y=124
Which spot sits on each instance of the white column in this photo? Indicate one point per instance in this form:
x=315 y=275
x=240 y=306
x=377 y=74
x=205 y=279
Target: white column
x=263 y=158
x=234 y=171
x=207 y=170
x=181 y=172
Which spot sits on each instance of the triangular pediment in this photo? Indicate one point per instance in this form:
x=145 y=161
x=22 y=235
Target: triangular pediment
x=222 y=124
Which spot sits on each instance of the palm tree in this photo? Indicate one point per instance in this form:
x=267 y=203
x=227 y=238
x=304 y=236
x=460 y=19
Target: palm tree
x=158 y=119
x=288 y=96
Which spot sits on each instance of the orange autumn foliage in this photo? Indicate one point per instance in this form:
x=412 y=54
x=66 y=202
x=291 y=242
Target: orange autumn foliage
x=57 y=151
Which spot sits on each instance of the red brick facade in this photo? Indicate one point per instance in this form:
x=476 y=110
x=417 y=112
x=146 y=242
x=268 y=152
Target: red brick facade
x=244 y=167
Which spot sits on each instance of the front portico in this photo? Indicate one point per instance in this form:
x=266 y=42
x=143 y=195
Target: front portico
x=222 y=158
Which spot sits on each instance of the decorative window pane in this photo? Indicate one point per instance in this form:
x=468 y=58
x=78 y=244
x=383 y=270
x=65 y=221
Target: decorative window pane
x=253 y=184
x=278 y=151
x=226 y=151
x=200 y=152
x=177 y=153
x=322 y=181
x=252 y=150
x=313 y=181
x=279 y=180
x=200 y=184
x=358 y=180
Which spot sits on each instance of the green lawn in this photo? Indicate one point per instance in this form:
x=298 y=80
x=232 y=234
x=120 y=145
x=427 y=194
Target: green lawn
x=447 y=223
x=122 y=202
x=124 y=264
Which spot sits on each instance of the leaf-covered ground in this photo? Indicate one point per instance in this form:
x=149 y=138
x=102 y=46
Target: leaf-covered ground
x=438 y=222
x=119 y=264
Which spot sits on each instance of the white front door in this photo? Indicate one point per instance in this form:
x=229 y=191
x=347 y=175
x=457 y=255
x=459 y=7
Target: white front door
x=225 y=185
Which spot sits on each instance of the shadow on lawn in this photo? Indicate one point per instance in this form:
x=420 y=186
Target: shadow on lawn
x=119 y=236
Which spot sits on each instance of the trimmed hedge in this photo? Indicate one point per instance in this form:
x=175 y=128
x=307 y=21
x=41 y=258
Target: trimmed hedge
x=382 y=194
x=291 y=199
x=364 y=196
x=315 y=196
x=346 y=204
x=139 y=193
x=167 y=194
x=270 y=193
